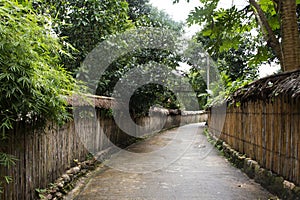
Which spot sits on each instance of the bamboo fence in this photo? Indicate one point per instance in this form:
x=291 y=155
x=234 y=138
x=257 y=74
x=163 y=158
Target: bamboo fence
x=45 y=154
x=267 y=131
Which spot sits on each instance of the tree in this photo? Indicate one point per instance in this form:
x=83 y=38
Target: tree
x=33 y=84
x=158 y=18
x=143 y=15
x=85 y=23
x=138 y=8
x=236 y=63
x=199 y=86
x=276 y=21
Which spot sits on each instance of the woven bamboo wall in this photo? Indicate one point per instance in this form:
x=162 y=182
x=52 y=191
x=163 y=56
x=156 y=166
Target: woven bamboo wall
x=268 y=132
x=44 y=155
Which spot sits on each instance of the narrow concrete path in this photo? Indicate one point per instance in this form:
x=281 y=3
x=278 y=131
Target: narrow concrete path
x=177 y=164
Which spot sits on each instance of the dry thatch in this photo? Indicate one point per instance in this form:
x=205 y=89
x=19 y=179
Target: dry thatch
x=156 y=110
x=92 y=100
x=281 y=84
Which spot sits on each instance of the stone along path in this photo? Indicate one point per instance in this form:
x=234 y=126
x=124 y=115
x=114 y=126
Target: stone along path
x=176 y=164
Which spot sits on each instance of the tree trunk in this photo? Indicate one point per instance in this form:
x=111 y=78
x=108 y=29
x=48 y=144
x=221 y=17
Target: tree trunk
x=290 y=36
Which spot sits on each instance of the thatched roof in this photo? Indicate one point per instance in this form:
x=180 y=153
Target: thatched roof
x=157 y=110
x=92 y=100
x=287 y=83
x=281 y=84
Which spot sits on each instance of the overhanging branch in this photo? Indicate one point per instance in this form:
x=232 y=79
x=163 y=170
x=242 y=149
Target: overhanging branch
x=266 y=28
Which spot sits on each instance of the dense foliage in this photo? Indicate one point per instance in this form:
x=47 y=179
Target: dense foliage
x=84 y=23
x=93 y=21
x=237 y=66
x=241 y=38
x=144 y=15
x=271 y=25
x=33 y=84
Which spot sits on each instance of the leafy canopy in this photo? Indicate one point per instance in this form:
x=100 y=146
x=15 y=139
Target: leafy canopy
x=85 y=23
x=271 y=25
x=143 y=14
x=33 y=84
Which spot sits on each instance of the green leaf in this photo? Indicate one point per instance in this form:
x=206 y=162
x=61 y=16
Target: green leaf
x=8 y=179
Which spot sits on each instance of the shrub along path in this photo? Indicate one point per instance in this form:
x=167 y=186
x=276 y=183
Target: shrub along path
x=197 y=171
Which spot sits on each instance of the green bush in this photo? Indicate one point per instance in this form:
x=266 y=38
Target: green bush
x=33 y=85
x=89 y=23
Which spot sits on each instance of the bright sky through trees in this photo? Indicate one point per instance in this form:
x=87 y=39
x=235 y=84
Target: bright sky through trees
x=180 y=12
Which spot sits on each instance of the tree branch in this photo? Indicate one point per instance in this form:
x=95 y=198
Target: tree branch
x=271 y=38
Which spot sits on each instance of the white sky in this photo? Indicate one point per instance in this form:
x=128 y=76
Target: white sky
x=181 y=10
x=178 y=11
